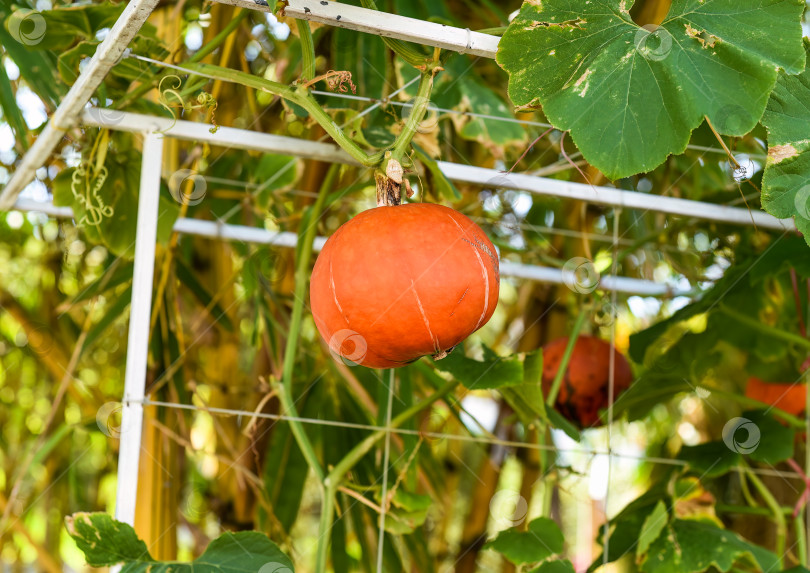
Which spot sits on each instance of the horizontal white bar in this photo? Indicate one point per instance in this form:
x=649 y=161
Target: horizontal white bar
x=107 y=53
x=286 y=239
x=392 y=26
x=613 y=197
x=382 y=24
x=246 y=139
x=224 y=136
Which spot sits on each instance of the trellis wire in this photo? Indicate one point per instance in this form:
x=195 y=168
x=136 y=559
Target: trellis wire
x=488 y=117
x=493 y=440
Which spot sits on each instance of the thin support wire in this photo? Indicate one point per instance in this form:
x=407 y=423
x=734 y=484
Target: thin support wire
x=386 y=457
x=214 y=411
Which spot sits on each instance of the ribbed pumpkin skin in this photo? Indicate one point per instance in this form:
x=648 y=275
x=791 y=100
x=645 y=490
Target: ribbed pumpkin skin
x=584 y=389
x=410 y=280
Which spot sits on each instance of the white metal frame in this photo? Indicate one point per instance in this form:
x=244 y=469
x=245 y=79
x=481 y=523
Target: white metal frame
x=334 y=14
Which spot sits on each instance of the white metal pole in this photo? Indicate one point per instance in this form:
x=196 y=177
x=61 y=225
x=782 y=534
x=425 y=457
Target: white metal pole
x=107 y=54
x=138 y=341
x=246 y=139
x=287 y=239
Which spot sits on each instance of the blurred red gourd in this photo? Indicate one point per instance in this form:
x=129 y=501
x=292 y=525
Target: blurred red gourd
x=789 y=398
x=584 y=388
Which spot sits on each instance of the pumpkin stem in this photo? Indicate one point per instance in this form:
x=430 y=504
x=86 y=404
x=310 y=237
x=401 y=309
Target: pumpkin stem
x=389 y=184
x=443 y=353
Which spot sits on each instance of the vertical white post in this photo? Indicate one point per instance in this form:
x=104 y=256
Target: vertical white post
x=138 y=342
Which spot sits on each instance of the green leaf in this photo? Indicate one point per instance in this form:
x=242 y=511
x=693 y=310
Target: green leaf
x=526 y=399
x=775 y=440
x=711 y=459
x=106 y=542
x=631 y=96
x=11 y=113
x=542 y=540
x=559 y=421
x=493 y=372
x=555 y=566
x=436 y=179
x=479 y=99
x=274 y=172
x=785 y=188
x=690 y=546
x=652 y=527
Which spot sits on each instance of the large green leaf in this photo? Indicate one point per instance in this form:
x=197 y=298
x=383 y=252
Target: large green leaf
x=106 y=542
x=785 y=188
x=493 y=372
x=690 y=546
x=542 y=540
x=631 y=96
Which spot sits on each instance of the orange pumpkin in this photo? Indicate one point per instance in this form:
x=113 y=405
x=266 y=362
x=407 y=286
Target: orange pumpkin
x=789 y=398
x=584 y=388
x=396 y=283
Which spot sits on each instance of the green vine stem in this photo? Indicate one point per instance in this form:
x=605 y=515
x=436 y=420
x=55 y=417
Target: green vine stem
x=801 y=537
x=764 y=328
x=332 y=481
x=420 y=107
x=569 y=349
x=209 y=47
x=298 y=95
x=776 y=512
x=307 y=50
x=301 y=281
